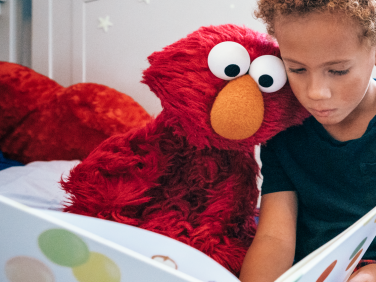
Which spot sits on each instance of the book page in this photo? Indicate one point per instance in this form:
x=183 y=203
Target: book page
x=336 y=260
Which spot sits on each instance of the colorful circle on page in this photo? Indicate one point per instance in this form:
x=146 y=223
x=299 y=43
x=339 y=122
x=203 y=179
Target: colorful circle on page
x=22 y=268
x=98 y=268
x=327 y=271
x=63 y=247
x=358 y=248
x=354 y=259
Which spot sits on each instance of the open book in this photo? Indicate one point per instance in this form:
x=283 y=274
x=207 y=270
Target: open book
x=336 y=260
x=47 y=246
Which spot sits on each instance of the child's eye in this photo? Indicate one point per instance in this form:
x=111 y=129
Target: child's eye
x=342 y=72
x=296 y=70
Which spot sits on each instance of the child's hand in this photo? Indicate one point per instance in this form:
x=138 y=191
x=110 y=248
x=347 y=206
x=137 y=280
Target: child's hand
x=365 y=274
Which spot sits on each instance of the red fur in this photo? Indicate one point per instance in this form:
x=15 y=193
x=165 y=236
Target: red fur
x=42 y=121
x=176 y=176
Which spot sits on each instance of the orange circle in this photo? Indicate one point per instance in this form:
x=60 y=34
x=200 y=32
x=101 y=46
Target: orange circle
x=354 y=259
x=238 y=110
x=327 y=271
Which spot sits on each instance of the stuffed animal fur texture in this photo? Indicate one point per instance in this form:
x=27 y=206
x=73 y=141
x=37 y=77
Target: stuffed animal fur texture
x=41 y=120
x=177 y=176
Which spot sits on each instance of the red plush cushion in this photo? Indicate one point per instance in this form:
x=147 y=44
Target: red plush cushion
x=41 y=120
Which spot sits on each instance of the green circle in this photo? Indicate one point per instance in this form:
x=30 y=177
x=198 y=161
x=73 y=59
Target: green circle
x=63 y=247
x=358 y=248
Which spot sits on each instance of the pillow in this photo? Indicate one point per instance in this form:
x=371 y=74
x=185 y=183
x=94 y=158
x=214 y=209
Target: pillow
x=41 y=120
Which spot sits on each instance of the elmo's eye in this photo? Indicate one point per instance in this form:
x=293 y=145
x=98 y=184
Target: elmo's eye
x=269 y=72
x=228 y=60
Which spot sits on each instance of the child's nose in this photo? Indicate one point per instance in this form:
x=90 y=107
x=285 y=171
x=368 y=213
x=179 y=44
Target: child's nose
x=319 y=93
x=317 y=90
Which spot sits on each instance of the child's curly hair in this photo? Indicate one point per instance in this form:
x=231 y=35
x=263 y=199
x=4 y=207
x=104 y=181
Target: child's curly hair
x=362 y=10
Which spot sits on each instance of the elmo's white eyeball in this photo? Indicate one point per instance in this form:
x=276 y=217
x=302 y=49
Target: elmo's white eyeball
x=228 y=60
x=269 y=73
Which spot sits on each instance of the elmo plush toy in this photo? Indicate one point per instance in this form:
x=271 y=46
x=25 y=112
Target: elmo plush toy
x=191 y=173
x=42 y=121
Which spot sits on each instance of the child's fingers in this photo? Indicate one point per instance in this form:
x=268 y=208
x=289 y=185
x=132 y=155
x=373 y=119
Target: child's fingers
x=365 y=274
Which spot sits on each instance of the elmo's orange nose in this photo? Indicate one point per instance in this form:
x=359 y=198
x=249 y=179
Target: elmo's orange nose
x=238 y=110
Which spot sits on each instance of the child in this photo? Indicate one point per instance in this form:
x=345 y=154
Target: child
x=320 y=177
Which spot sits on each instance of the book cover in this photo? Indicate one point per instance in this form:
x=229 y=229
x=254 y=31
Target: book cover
x=49 y=246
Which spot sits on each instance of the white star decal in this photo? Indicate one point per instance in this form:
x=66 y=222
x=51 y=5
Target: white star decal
x=105 y=23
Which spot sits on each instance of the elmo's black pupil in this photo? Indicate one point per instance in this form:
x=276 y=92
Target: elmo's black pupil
x=232 y=70
x=265 y=81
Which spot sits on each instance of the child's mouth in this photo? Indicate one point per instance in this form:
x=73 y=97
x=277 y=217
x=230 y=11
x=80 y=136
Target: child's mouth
x=322 y=113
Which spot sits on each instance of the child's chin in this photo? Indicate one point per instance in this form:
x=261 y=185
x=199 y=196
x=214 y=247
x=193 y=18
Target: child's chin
x=329 y=120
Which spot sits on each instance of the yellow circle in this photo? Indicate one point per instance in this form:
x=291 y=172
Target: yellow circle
x=99 y=268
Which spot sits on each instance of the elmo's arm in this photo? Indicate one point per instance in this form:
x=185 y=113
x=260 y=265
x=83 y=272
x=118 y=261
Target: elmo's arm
x=116 y=175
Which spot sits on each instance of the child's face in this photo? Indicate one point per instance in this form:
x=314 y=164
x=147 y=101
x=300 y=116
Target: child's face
x=328 y=68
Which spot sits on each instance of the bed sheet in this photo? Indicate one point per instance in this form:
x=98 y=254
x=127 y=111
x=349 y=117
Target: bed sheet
x=37 y=183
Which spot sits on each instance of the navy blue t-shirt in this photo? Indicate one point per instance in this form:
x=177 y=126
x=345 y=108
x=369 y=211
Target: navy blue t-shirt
x=335 y=181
